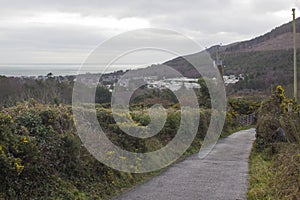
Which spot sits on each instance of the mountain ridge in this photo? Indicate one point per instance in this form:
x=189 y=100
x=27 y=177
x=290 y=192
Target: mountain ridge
x=266 y=60
x=281 y=37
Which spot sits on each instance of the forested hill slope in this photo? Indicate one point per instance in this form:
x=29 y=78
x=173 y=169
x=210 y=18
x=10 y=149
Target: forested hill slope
x=265 y=61
x=278 y=39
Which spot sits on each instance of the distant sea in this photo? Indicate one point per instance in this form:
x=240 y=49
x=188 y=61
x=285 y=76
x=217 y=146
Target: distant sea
x=58 y=69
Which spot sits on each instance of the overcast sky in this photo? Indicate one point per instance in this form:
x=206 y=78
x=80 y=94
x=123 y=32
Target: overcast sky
x=65 y=31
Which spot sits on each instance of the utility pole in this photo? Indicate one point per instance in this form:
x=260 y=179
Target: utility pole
x=219 y=62
x=295 y=58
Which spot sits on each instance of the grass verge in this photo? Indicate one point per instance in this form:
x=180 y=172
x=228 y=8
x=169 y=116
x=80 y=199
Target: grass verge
x=275 y=172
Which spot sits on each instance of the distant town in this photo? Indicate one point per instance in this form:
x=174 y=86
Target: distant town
x=110 y=79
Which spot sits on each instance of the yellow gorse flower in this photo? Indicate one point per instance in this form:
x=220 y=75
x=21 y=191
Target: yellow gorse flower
x=25 y=140
x=19 y=166
x=122 y=157
x=110 y=152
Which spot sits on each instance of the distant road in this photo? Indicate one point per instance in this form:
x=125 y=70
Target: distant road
x=223 y=174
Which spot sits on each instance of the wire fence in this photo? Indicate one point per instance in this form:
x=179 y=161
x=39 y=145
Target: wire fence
x=246 y=119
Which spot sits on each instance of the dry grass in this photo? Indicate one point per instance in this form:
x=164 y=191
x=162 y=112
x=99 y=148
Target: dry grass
x=275 y=172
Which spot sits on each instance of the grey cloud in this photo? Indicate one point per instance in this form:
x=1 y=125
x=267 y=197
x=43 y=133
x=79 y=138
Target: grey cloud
x=207 y=21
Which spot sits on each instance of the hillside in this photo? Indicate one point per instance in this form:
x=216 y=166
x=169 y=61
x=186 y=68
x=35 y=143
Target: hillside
x=266 y=60
x=278 y=39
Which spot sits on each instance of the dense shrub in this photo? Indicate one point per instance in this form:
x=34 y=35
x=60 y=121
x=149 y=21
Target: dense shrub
x=39 y=154
x=42 y=157
x=278 y=120
x=242 y=106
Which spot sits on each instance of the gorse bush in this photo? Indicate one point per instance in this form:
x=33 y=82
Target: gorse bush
x=242 y=106
x=278 y=120
x=32 y=148
x=42 y=157
x=275 y=158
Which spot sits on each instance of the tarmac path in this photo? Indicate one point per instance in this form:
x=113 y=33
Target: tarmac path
x=222 y=174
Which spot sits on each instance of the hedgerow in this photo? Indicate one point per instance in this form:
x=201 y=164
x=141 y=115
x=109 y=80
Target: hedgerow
x=41 y=155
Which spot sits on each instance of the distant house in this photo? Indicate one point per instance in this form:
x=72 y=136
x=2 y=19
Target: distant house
x=41 y=78
x=232 y=79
